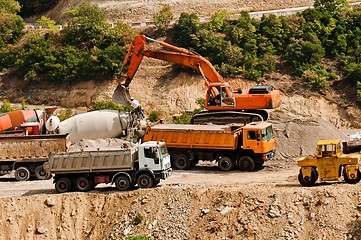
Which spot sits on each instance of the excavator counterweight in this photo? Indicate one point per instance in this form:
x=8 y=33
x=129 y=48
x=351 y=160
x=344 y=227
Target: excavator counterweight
x=224 y=106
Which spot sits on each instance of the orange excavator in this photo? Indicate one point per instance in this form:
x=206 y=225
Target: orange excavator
x=223 y=104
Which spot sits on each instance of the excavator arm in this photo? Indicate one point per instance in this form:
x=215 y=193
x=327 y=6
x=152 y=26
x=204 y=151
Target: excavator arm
x=182 y=56
x=177 y=55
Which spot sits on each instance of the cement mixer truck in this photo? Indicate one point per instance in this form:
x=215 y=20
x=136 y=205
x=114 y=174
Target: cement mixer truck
x=97 y=124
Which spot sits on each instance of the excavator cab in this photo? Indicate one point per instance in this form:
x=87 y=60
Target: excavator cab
x=121 y=95
x=220 y=95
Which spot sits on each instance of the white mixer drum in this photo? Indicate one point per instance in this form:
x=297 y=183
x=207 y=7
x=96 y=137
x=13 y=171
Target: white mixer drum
x=94 y=125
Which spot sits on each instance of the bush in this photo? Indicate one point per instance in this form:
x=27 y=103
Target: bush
x=162 y=19
x=138 y=218
x=352 y=72
x=6 y=107
x=109 y=105
x=63 y=115
x=153 y=116
x=315 y=81
x=138 y=238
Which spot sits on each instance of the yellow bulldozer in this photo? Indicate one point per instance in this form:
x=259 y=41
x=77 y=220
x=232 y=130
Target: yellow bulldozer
x=329 y=164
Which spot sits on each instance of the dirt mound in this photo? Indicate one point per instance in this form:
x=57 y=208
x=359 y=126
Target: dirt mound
x=297 y=135
x=181 y=212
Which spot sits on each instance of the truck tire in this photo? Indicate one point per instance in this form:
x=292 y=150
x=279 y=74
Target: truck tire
x=226 y=163
x=145 y=181
x=22 y=174
x=40 y=174
x=181 y=162
x=63 y=185
x=308 y=181
x=246 y=163
x=83 y=184
x=352 y=180
x=122 y=183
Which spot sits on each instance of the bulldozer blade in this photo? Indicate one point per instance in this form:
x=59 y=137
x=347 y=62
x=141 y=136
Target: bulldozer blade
x=121 y=95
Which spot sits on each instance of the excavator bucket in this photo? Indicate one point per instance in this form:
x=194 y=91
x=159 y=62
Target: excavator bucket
x=121 y=95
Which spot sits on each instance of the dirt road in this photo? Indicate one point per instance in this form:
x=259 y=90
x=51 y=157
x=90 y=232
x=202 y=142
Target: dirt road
x=206 y=175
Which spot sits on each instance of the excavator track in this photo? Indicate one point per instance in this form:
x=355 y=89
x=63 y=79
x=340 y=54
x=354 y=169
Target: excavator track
x=229 y=117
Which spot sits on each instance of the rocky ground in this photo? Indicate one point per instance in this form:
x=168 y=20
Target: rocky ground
x=202 y=203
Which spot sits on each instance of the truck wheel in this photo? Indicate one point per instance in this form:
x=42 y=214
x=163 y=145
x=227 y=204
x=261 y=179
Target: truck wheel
x=22 y=174
x=83 y=184
x=145 y=181
x=63 y=185
x=122 y=183
x=226 y=163
x=246 y=164
x=40 y=174
x=181 y=162
x=308 y=181
x=352 y=180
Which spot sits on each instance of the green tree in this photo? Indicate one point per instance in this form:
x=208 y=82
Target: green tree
x=163 y=18
x=11 y=25
x=185 y=30
x=330 y=6
x=217 y=20
x=301 y=52
x=9 y=6
x=276 y=30
x=86 y=26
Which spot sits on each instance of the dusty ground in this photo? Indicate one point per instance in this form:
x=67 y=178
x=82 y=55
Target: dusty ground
x=202 y=203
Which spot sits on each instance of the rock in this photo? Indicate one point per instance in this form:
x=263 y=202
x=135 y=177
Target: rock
x=41 y=229
x=49 y=202
x=204 y=211
x=274 y=211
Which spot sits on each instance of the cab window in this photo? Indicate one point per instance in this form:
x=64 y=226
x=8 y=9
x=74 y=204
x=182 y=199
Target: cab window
x=251 y=135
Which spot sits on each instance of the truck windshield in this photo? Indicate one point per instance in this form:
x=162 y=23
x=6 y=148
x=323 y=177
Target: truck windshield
x=267 y=133
x=163 y=152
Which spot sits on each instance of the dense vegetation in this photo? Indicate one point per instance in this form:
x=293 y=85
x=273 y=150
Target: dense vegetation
x=88 y=48
x=249 y=47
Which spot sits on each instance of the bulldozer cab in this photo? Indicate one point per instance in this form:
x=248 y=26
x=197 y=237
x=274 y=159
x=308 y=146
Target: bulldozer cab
x=328 y=148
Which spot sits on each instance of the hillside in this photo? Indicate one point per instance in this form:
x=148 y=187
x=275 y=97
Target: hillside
x=203 y=203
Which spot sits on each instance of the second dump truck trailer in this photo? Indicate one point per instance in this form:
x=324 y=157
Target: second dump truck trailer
x=26 y=154
x=143 y=164
x=247 y=147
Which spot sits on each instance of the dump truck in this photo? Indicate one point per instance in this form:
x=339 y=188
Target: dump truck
x=247 y=147
x=26 y=154
x=329 y=164
x=145 y=165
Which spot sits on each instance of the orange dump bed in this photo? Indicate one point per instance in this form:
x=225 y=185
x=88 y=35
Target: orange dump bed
x=194 y=136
